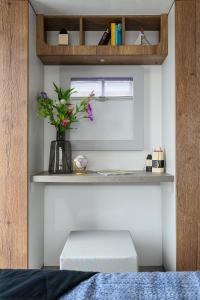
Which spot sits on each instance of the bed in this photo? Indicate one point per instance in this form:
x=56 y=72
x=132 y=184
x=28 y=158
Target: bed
x=138 y=286
x=72 y=285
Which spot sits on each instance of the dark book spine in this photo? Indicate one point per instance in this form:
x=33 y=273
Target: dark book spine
x=105 y=38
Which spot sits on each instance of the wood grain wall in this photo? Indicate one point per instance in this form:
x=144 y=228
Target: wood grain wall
x=188 y=133
x=13 y=133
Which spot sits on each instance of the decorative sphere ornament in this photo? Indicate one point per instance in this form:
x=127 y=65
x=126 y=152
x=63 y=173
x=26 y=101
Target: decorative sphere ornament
x=80 y=164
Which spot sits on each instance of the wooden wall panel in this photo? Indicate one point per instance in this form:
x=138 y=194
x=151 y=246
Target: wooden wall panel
x=188 y=133
x=198 y=97
x=13 y=133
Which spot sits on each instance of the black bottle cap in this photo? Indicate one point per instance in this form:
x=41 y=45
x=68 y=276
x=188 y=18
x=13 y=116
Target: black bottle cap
x=63 y=31
x=149 y=156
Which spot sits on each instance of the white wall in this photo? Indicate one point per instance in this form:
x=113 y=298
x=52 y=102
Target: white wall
x=168 y=134
x=152 y=118
x=147 y=211
x=136 y=208
x=112 y=207
x=36 y=150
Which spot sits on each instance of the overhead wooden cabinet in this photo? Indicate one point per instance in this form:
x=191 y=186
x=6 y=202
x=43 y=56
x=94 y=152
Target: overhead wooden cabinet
x=83 y=54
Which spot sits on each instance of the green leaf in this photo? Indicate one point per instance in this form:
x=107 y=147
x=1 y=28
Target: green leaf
x=56 y=88
x=77 y=108
x=58 y=91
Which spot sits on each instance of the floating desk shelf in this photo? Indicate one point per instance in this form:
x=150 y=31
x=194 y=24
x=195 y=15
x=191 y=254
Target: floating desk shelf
x=138 y=177
x=104 y=55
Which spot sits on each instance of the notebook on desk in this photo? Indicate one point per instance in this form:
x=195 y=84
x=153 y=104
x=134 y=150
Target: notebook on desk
x=115 y=172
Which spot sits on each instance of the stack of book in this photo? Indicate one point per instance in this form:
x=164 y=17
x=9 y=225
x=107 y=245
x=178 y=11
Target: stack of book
x=114 y=34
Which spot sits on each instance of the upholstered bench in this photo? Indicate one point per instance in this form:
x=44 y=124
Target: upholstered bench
x=99 y=251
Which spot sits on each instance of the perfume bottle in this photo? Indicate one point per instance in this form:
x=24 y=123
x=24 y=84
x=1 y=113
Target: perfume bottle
x=149 y=163
x=63 y=38
x=158 y=162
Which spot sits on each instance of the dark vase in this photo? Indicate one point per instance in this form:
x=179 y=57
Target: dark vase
x=60 y=160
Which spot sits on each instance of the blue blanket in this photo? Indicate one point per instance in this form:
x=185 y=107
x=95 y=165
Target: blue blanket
x=138 y=286
x=38 y=284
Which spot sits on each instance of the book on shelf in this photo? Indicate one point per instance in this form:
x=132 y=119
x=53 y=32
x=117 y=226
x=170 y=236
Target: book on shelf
x=116 y=34
x=113 y=34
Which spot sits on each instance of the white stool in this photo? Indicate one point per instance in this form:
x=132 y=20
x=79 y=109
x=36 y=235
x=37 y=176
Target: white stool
x=99 y=251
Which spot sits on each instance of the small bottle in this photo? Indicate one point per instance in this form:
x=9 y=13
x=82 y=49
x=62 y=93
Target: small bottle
x=149 y=163
x=158 y=162
x=105 y=37
x=63 y=38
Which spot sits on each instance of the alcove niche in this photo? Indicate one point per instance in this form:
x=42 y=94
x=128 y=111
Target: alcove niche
x=147 y=210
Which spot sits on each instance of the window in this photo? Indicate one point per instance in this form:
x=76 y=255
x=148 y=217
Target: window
x=118 y=106
x=106 y=87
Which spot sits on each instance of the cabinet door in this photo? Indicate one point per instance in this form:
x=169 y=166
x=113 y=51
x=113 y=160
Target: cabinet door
x=13 y=133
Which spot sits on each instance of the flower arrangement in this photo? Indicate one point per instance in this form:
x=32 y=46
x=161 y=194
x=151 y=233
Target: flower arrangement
x=60 y=112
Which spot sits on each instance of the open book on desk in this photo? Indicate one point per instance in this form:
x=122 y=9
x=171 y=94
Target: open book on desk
x=115 y=172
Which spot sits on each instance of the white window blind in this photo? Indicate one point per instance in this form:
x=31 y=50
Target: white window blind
x=108 y=87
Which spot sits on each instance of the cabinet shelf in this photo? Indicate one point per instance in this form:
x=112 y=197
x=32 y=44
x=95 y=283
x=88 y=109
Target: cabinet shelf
x=83 y=54
x=138 y=177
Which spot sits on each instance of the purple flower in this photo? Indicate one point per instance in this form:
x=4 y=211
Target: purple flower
x=92 y=94
x=89 y=112
x=44 y=95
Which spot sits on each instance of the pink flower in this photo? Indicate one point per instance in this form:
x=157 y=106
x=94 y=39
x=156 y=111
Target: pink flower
x=64 y=123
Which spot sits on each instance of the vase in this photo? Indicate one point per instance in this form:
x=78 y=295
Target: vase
x=60 y=160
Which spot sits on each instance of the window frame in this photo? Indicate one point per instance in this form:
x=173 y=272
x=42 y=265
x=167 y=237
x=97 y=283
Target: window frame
x=103 y=80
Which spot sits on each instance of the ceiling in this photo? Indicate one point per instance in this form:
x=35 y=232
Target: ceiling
x=98 y=7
